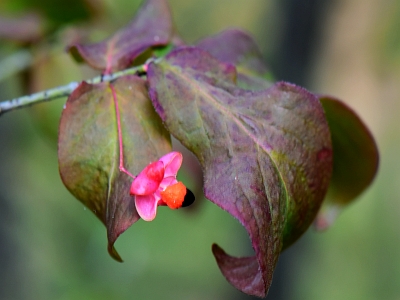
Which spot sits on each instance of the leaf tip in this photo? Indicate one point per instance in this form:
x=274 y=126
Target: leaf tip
x=243 y=273
x=113 y=252
x=326 y=217
x=75 y=53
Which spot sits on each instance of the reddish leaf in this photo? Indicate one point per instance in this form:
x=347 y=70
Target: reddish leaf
x=237 y=47
x=27 y=28
x=89 y=153
x=152 y=26
x=355 y=156
x=266 y=155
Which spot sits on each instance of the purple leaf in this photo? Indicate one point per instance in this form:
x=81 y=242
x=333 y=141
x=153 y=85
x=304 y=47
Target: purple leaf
x=151 y=27
x=238 y=48
x=266 y=155
x=26 y=28
x=355 y=156
x=88 y=148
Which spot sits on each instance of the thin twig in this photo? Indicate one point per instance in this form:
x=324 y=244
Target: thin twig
x=63 y=91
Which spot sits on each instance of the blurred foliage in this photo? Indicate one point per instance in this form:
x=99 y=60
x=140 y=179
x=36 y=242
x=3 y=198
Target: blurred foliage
x=56 y=12
x=55 y=249
x=387 y=37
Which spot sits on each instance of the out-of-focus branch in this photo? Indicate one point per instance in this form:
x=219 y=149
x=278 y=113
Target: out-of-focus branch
x=14 y=63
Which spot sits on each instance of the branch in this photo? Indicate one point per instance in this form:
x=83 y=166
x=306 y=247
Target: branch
x=63 y=91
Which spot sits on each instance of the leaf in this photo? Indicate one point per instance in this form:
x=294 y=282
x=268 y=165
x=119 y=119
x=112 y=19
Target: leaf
x=151 y=27
x=163 y=51
x=88 y=148
x=266 y=155
x=355 y=156
x=46 y=116
x=237 y=47
x=27 y=28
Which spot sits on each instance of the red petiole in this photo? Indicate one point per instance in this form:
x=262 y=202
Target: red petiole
x=120 y=143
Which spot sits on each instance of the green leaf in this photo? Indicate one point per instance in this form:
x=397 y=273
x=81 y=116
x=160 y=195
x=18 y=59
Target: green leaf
x=355 y=157
x=88 y=148
x=163 y=51
x=266 y=155
x=151 y=27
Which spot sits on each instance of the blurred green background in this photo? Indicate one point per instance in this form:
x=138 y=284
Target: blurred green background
x=53 y=248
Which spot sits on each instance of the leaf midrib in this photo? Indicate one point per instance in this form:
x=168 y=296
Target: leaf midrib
x=206 y=95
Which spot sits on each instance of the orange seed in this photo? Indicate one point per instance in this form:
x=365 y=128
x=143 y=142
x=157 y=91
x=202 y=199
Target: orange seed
x=174 y=195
